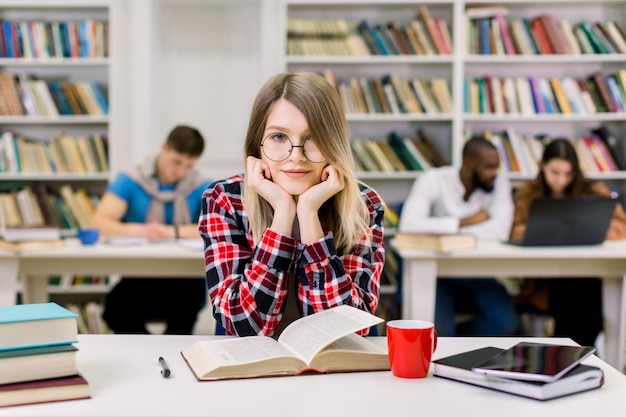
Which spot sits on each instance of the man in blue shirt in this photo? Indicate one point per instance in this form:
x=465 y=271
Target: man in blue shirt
x=157 y=200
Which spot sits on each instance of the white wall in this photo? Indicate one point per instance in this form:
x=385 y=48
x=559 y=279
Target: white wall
x=198 y=62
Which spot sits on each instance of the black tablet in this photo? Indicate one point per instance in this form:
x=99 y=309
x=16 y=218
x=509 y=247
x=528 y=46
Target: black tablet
x=534 y=361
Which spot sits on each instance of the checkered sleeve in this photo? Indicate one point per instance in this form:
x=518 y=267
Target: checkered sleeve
x=328 y=279
x=245 y=282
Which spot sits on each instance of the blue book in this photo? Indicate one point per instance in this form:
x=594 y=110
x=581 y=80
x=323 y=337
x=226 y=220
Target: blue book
x=33 y=325
x=380 y=42
x=367 y=33
x=538 y=101
x=60 y=98
x=615 y=93
x=483 y=37
x=100 y=96
x=37 y=363
x=66 y=38
x=8 y=39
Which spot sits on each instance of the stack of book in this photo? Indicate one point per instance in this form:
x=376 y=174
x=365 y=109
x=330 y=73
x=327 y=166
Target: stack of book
x=534 y=370
x=21 y=238
x=38 y=356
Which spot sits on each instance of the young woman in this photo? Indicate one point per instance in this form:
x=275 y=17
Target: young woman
x=575 y=303
x=297 y=233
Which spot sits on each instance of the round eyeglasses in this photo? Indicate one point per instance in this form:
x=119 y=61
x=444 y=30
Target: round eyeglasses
x=278 y=147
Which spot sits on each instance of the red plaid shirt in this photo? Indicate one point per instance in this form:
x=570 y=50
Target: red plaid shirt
x=248 y=283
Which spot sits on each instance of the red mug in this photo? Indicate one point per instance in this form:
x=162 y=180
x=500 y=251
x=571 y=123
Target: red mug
x=411 y=346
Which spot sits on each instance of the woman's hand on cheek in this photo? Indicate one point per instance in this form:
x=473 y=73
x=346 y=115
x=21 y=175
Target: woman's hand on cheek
x=331 y=183
x=260 y=180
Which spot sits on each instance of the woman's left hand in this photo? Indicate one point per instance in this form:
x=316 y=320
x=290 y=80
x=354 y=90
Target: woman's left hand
x=313 y=198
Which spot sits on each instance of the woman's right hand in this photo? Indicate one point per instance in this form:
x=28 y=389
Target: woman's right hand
x=259 y=178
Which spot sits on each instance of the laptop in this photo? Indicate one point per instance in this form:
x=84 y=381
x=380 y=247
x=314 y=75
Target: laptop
x=567 y=221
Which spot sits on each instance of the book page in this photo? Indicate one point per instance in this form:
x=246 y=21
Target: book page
x=309 y=335
x=354 y=343
x=241 y=350
x=351 y=353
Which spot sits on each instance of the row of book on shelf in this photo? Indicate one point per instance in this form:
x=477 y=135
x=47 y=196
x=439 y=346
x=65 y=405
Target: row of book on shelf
x=54 y=39
x=597 y=93
x=392 y=94
x=89 y=317
x=68 y=281
x=491 y=32
x=38 y=207
x=425 y=35
x=397 y=153
x=23 y=94
x=61 y=153
x=598 y=151
x=38 y=355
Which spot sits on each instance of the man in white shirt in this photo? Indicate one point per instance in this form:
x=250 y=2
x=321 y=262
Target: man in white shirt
x=475 y=199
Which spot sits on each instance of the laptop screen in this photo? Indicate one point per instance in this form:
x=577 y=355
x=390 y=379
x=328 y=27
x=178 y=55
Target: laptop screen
x=568 y=221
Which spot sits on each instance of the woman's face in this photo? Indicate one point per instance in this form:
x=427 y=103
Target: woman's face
x=296 y=173
x=558 y=174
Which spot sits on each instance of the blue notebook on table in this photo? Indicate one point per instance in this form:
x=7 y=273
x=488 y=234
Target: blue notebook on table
x=567 y=221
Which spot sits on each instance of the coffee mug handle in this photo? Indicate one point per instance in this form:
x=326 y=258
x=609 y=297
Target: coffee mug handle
x=435 y=340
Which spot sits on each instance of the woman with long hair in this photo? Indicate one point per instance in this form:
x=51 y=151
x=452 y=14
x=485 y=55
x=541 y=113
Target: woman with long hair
x=297 y=233
x=575 y=303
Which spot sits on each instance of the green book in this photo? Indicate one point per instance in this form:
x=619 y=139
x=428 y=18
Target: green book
x=397 y=144
x=596 y=43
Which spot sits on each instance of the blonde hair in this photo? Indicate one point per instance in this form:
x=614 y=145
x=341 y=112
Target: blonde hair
x=321 y=106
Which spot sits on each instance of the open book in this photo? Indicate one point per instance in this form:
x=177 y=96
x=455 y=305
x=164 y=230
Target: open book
x=323 y=342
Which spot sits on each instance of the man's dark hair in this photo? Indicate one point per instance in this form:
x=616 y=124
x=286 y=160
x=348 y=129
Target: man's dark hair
x=186 y=140
x=475 y=146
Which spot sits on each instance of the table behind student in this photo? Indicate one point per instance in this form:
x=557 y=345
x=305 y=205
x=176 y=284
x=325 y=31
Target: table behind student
x=159 y=259
x=421 y=269
x=124 y=378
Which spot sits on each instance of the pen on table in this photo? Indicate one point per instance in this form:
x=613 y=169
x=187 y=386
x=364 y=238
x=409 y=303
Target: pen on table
x=165 y=370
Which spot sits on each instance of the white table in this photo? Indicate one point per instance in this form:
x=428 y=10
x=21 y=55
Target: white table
x=124 y=379
x=490 y=258
x=166 y=259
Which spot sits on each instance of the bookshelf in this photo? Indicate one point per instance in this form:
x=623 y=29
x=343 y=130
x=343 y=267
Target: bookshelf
x=367 y=124
x=560 y=66
x=64 y=44
x=449 y=129
x=69 y=42
x=393 y=186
